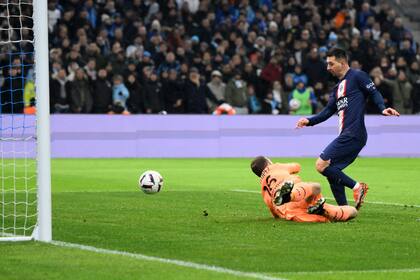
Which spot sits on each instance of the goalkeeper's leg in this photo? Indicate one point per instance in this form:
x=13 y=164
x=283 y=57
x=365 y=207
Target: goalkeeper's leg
x=291 y=192
x=332 y=212
x=305 y=191
x=339 y=213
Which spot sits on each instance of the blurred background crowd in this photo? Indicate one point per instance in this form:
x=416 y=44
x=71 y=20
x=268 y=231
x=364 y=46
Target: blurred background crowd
x=223 y=56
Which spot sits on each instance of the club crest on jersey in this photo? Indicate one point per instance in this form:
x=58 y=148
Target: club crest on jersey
x=371 y=86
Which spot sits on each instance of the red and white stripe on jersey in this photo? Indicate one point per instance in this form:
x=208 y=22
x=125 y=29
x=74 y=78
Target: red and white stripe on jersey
x=341 y=91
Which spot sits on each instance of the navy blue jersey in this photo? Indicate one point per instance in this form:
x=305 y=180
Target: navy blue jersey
x=348 y=99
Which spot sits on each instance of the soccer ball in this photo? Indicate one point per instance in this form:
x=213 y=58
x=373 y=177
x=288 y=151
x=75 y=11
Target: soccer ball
x=150 y=182
x=294 y=104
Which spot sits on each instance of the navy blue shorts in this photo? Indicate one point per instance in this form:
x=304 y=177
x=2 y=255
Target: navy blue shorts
x=342 y=151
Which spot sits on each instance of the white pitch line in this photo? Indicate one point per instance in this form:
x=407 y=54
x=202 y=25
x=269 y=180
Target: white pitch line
x=392 y=204
x=369 y=202
x=198 y=266
x=245 y=191
x=219 y=269
x=396 y=270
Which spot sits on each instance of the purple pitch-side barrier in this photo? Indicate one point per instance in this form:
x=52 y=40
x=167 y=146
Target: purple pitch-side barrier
x=200 y=136
x=17 y=133
x=172 y=136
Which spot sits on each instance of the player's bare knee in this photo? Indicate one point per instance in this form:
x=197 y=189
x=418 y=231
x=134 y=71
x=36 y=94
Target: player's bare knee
x=321 y=164
x=316 y=189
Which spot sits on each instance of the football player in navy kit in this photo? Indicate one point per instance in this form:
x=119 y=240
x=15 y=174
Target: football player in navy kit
x=348 y=100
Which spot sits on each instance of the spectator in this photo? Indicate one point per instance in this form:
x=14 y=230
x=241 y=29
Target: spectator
x=416 y=97
x=306 y=98
x=279 y=98
x=414 y=72
x=271 y=73
x=94 y=52
x=290 y=65
x=398 y=31
x=236 y=94
x=315 y=68
x=102 y=40
x=102 y=93
x=364 y=14
x=405 y=89
x=91 y=12
x=384 y=64
x=299 y=75
x=251 y=78
x=407 y=51
x=270 y=105
x=401 y=64
x=168 y=64
x=289 y=85
x=254 y=104
x=355 y=51
x=135 y=103
x=349 y=9
x=145 y=61
x=54 y=14
x=74 y=57
x=376 y=31
x=401 y=91
x=80 y=95
x=153 y=8
x=355 y=64
x=134 y=49
x=130 y=68
x=195 y=94
x=153 y=98
x=90 y=69
x=190 y=5
x=120 y=95
x=321 y=95
x=29 y=94
x=117 y=59
x=217 y=88
x=60 y=93
x=251 y=37
x=172 y=93
x=384 y=89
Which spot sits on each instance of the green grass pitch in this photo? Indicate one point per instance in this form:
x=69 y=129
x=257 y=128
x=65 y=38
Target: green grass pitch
x=96 y=202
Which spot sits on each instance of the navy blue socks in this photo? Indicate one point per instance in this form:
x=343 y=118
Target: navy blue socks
x=338 y=176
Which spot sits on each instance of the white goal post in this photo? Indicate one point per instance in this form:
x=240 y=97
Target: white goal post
x=25 y=178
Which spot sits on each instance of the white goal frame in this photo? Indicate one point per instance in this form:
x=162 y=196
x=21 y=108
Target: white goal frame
x=43 y=228
x=43 y=231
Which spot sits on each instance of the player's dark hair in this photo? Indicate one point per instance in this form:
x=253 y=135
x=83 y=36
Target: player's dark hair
x=338 y=53
x=259 y=164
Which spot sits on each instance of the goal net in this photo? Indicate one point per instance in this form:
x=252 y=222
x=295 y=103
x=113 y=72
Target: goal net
x=19 y=124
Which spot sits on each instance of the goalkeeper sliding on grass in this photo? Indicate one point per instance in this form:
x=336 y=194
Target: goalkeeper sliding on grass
x=289 y=198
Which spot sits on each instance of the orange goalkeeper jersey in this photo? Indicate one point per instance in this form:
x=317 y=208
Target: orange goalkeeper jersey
x=273 y=177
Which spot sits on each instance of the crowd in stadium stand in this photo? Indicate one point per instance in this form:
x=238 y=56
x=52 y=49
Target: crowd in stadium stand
x=223 y=56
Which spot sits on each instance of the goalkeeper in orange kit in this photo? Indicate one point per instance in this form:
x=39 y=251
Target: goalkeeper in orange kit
x=289 y=198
